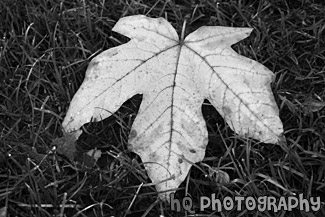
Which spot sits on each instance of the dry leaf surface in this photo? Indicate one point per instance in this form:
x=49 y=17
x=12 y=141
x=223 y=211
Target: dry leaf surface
x=175 y=76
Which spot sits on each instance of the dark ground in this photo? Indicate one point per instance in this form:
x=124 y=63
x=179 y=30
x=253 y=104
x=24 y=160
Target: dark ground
x=46 y=46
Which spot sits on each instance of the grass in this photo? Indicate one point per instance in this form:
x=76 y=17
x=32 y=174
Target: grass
x=45 y=49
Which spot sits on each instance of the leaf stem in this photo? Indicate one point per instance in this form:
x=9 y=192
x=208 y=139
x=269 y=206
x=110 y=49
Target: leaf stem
x=183 y=30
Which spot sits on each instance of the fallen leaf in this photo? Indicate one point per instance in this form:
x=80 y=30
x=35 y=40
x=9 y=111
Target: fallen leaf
x=95 y=154
x=66 y=145
x=313 y=105
x=175 y=76
x=39 y=158
x=87 y=160
x=219 y=175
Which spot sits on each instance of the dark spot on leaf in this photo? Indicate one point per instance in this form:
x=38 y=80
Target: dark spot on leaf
x=92 y=66
x=192 y=151
x=112 y=52
x=226 y=110
x=93 y=63
x=133 y=134
x=180 y=160
x=205 y=141
x=246 y=82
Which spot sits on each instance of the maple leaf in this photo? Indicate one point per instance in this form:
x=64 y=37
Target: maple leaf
x=175 y=76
